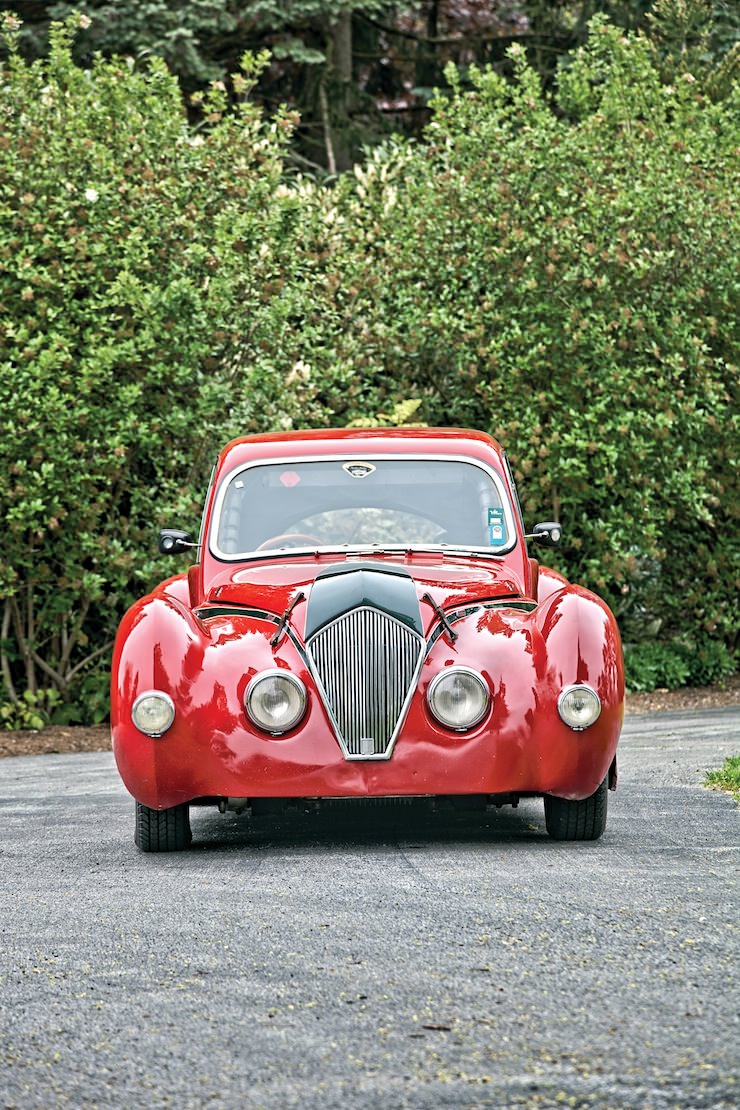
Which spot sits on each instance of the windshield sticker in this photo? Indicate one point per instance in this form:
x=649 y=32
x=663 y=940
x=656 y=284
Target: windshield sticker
x=290 y=478
x=358 y=469
x=496 y=528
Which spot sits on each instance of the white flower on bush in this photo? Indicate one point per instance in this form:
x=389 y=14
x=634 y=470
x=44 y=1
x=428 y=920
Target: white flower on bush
x=91 y=195
x=300 y=371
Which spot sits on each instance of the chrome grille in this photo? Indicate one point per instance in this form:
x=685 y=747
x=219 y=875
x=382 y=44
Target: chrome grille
x=366 y=665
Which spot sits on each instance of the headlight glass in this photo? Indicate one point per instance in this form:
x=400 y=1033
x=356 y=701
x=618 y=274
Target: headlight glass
x=458 y=698
x=579 y=706
x=153 y=712
x=275 y=701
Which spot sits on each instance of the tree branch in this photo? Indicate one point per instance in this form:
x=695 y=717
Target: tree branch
x=89 y=658
x=331 y=161
x=444 y=40
x=4 y=663
x=23 y=644
x=71 y=637
x=49 y=671
x=30 y=633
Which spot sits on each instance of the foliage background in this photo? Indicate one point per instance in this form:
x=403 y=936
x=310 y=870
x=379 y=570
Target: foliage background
x=358 y=70
x=558 y=268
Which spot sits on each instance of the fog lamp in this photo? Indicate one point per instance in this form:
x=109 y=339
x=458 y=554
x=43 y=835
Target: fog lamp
x=153 y=712
x=579 y=706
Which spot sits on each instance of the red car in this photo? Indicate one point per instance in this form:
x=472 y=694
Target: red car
x=364 y=620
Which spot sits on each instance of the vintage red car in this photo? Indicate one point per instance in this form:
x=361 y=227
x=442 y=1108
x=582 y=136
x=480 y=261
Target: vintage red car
x=364 y=620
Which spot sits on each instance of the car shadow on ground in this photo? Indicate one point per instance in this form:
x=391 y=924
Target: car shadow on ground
x=340 y=825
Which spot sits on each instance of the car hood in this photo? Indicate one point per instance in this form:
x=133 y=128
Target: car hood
x=331 y=585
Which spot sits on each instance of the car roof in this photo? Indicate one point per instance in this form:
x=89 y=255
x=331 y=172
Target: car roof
x=360 y=441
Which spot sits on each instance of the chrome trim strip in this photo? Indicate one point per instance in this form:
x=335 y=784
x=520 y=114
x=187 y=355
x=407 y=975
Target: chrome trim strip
x=396 y=657
x=520 y=605
x=209 y=610
x=340 y=458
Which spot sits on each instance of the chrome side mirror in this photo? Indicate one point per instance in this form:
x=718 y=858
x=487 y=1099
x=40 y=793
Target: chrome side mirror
x=547 y=533
x=174 y=542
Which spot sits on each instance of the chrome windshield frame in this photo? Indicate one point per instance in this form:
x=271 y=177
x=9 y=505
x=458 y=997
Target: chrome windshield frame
x=360 y=548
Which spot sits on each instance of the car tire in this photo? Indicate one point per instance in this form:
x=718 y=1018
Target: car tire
x=162 y=830
x=584 y=820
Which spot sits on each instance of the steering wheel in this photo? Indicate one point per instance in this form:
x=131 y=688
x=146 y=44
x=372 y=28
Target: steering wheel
x=289 y=539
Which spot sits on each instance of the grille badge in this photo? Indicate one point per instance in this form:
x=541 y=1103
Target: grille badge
x=358 y=469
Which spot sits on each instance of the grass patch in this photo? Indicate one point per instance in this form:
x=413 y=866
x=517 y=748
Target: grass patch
x=726 y=778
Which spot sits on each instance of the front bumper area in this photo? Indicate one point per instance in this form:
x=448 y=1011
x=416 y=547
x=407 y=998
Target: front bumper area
x=496 y=758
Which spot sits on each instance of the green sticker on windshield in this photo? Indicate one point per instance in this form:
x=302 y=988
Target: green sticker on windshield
x=496 y=528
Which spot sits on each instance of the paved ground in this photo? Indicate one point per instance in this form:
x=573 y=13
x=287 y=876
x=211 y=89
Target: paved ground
x=428 y=962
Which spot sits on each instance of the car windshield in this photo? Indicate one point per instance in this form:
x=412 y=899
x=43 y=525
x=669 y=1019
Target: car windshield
x=388 y=502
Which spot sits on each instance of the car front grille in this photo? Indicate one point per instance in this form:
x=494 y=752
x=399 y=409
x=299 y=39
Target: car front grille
x=366 y=665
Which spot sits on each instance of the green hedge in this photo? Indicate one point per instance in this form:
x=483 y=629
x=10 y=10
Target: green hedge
x=146 y=270
x=566 y=276
x=562 y=274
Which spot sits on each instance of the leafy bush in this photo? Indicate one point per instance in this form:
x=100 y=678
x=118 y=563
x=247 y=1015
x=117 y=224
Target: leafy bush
x=653 y=665
x=31 y=710
x=709 y=661
x=143 y=270
x=562 y=274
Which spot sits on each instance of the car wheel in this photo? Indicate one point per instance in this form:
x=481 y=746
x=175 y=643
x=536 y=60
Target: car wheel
x=162 y=830
x=584 y=820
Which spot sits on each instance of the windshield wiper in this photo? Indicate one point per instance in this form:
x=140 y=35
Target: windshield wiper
x=442 y=618
x=285 y=618
x=469 y=553
x=447 y=550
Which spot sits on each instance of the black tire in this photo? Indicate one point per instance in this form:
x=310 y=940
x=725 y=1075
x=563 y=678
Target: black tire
x=585 y=820
x=162 y=830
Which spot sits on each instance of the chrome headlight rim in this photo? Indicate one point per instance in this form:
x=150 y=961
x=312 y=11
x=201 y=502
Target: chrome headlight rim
x=580 y=687
x=161 y=696
x=445 y=675
x=288 y=677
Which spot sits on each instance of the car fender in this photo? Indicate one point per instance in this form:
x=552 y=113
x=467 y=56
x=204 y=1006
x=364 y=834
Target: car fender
x=159 y=646
x=583 y=643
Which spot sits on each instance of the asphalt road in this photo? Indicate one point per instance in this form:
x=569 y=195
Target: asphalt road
x=379 y=960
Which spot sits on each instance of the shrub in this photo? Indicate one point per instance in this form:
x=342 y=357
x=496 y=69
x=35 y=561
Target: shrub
x=143 y=276
x=564 y=275
x=31 y=710
x=561 y=273
x=709 y=662
x=652 y=666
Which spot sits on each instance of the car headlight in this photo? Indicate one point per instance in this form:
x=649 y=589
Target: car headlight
x=458 y=698
x=579 y=706
x=153 y=712
x=275 y=701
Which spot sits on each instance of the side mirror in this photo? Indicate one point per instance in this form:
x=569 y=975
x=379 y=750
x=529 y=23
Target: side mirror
x=174 y=542
x=547 y=533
